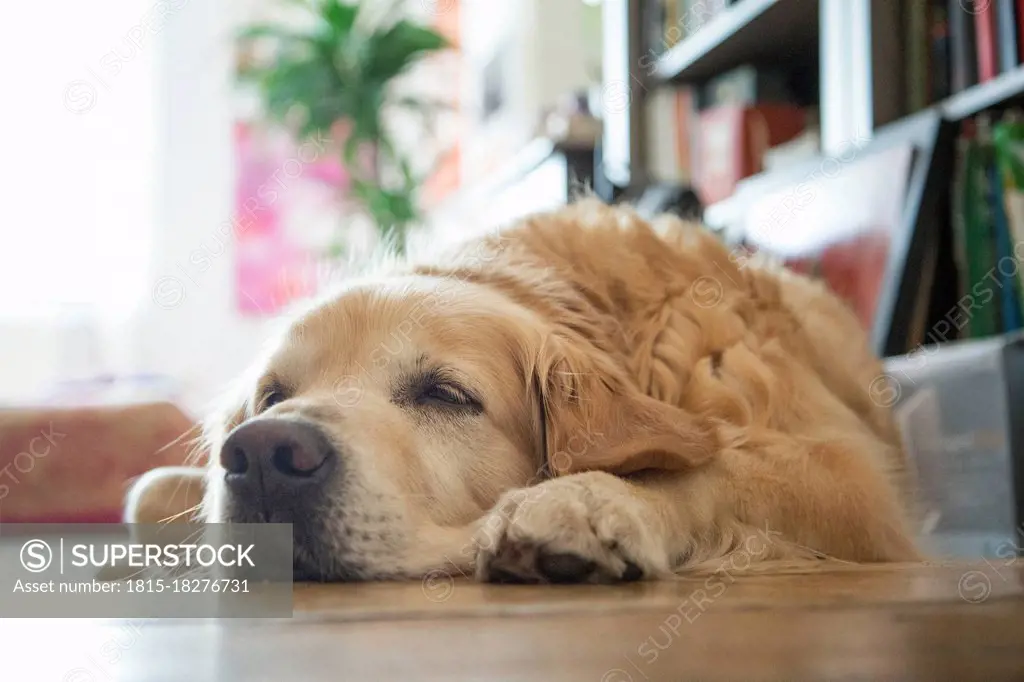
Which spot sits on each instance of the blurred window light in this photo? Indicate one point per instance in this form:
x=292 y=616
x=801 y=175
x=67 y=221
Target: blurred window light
x=79 y=137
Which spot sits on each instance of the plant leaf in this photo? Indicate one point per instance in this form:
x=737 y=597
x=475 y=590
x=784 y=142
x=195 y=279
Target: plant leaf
x=396 y=48
x=303 y=82
x=341 y=70
x=339 y=16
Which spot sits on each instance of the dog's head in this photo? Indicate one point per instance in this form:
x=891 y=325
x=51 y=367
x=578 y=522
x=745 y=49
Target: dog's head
x=389 y=419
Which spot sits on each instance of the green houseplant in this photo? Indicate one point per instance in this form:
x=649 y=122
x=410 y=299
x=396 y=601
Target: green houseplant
x=337 y=73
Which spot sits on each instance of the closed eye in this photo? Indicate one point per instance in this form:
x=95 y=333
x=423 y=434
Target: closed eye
x=271 y=399
x=437 y=387
x=448 y=394
x=441 y=389
x=271 y=395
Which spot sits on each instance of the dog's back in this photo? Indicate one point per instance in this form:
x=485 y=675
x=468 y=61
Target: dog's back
x=668 y=297
x=741 y=341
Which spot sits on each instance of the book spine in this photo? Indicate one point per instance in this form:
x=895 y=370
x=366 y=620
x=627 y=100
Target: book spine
x=670 y=27
x=963 y=54
x=978 y=239
x=1006 y=23
x=660 y=118
x=918 y=47
x=938 y=63
x=985 y=41
x=1020 y=31
x=1008 y=295
x=685 y=111
x=1009 y=141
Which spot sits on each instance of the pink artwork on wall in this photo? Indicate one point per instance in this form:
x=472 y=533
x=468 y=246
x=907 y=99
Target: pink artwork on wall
x=288 y=199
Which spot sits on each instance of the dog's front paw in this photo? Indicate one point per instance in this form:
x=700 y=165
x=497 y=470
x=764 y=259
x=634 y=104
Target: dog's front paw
x=587 y=527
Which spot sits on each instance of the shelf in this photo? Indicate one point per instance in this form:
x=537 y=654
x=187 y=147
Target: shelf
x=977 y=98
x=751 y=31
x=511 y=172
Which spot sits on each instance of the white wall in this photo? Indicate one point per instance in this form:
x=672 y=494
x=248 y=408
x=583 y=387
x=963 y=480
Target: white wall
x=77 y=209
x=177 y=320
x=160 y=124
x=191 y=329
x=552 y=50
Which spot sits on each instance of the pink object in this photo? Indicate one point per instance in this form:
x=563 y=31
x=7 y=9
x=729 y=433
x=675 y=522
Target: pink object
x=283 y=193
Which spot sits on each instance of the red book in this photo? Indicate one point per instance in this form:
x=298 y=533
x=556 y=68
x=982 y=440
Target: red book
x=732 y=142
x=985 y=32
x=684 y=111
x=1020 y=29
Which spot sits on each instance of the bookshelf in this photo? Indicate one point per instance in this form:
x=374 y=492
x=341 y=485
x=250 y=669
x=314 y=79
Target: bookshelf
x=1002 y=90
x=861 y=53
x=773 y=32
x=762 y=32
x=756 y=31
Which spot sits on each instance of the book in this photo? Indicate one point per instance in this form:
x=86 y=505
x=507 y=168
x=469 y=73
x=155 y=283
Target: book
x=938 y=62
x=963 y=55
x=659 y=114
x=668 y=113
x=1006 y=25
x=985 y=40
x=977 y=314
x=1020 y=30
x=733 y=141
x=685 y=115
x=1009 y=298
x=918 y=42
x=1008 y=138
x=671 y=27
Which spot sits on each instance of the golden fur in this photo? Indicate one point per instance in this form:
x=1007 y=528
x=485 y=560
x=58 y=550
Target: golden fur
x=650 y=405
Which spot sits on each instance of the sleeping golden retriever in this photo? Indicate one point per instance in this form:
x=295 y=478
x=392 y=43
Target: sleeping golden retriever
x=585 y=397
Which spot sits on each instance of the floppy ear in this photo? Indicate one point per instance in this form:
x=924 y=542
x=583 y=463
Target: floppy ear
x=594 y=418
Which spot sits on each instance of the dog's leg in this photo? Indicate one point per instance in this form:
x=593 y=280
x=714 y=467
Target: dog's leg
x=161 y=507
x=596 y=527
x=587 y=527
x=166 y=494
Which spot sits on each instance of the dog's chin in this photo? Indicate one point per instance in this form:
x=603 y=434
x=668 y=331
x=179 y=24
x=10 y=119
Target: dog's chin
x=312 y=562
x=304 y=570
x=313 y=559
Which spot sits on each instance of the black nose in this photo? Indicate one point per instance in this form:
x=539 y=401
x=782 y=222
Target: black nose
x=275 y=462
